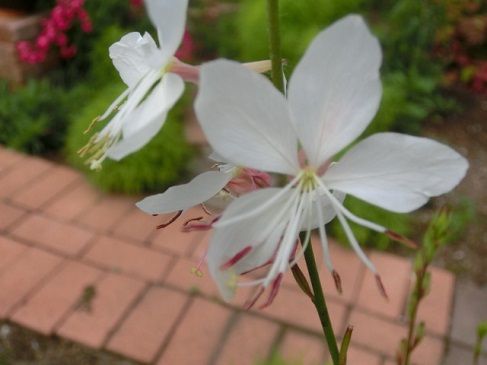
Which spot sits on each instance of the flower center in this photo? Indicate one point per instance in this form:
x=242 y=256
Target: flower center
x=308 y=182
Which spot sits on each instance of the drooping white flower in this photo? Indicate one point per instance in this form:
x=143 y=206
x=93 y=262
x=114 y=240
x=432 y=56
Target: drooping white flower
x=333 y=95
x=152 y=89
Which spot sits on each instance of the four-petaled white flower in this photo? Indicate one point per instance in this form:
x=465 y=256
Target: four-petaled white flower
x=140 y=111
x=333 y=95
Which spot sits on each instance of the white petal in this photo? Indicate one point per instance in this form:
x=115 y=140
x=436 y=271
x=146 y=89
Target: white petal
x=245 y=119
x=327 y=209
x=131 y=56
x=181 y=197
x=397 y=172
x=169 y=17
x=261 y=232
x=335 y=90
x=146 y=120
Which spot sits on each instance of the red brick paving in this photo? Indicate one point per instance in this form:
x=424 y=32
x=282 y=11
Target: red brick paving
x=149 y=325
x=45 y=232
x=23 y=275
x=145 y=305
x=199 y=334
x=8 y=215
x=114 y=295
x=44 y=310
x=303 y=348
x=118 y=255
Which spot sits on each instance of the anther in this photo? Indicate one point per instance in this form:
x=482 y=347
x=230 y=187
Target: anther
x=338 y=281
x=172 y=220
x=239 y=256
x=381 y=287
x=401 y=239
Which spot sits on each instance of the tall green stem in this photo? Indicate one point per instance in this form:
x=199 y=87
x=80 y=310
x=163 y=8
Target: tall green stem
x=275 y=43
x=320 y=303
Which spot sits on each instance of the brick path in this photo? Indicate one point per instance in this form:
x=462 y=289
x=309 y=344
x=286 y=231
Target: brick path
x=59 y=237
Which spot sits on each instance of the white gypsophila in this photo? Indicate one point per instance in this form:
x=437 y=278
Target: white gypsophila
x=152 y=89
x=333 y=95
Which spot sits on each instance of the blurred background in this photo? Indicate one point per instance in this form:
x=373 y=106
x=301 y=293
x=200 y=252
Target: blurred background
x=434 y=76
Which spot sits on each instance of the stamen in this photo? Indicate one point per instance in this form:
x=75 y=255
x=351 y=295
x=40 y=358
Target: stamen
x=353 y=242
x=338 y=281
x=240 y=255
x=323 y=237
x=381 y=286
x=276 y=284
x=171 y=221
x=250 y=303
x=347 y=213
x=401 y=239
x=196 y=270
x=205 y=209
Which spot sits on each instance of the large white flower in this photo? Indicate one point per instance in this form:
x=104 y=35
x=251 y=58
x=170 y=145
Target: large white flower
x=333 y=95
x=140 y=111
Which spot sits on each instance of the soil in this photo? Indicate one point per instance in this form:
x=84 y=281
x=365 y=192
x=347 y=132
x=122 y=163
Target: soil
x=19 y=346
x=467 y=133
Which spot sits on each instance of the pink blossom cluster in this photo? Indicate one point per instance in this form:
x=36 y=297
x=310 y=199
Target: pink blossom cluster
x=54 y=29
x=136 y=3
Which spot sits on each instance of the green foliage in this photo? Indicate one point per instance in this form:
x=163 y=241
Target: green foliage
x=33 y=118
x=399 y=223
x=160 y=163
x=481 y=334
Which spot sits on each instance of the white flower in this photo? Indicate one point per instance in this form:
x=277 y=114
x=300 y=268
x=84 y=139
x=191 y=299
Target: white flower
x=140 y=111
x=333 y=95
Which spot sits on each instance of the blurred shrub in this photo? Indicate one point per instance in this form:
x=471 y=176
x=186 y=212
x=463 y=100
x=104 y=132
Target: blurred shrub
x=160 y=163
x=33 y=118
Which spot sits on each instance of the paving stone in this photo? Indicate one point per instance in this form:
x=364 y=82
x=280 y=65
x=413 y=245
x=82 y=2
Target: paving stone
x=8 y=215
x=136 y=225
x=63 y=238
x=8 y=158
x=173 y=239
x=294 y=307
x=23 y=174
x=114 y=294
x=357 y=356
x=9 y=252
x=377 y=334
x=71 y=204
x=458 y=355
x=429 y=352
x=50 y=304
x=106 y=213
x=469 y=309
x=45 y=188
x=149 y=325
x=23 y=275
x=182 y=276
x=303 y=349
x=248 y=342
x=435 y=309
x=118 y=255
x=198 y=335
x=395 y=273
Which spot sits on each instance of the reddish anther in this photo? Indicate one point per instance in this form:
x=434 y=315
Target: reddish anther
x=276 y=284
x=250 y=303
x=381 y=286
x=239 y=256
x=170 y=221
x=338 y=281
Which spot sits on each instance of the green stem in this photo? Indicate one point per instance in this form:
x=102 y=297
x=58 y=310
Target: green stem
x=275 y=44
x=320 y=303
